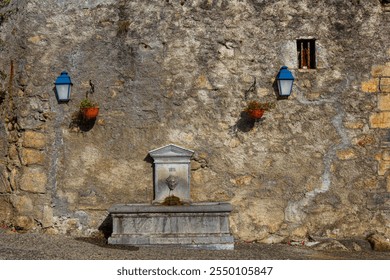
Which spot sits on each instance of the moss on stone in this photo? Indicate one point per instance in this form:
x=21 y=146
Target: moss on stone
x=172 y=201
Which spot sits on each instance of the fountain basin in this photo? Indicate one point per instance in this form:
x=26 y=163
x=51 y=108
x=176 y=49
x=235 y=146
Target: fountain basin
x=198 y=225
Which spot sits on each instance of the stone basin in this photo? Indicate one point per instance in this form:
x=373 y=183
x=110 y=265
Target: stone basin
x=198 y=225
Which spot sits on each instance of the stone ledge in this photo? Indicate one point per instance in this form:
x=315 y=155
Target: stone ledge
x=192 y=208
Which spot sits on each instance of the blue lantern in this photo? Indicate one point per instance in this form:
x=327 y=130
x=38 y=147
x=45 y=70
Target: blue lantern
x=63 y=87
x=285 y=81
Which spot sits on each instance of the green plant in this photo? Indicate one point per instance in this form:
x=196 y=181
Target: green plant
x=255 y=105
x=86 y=102
x=4 y=3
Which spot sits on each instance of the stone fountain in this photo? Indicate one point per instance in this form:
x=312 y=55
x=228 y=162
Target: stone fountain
x=172 y=219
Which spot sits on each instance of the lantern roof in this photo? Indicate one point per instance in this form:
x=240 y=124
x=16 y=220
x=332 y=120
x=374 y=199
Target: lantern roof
x=284 y=74
x=63 y=79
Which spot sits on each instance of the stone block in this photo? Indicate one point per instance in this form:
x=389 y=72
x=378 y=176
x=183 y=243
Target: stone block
x=388 y=184
x=13 y=152
x=47 y=219
x=383 y=167
x=380 y=120
x=300 y=232
x=33 y=139
x=380 y=70
x=195 y=165
x=24 y=222
x=202 y=82
x=23 y=204
x=384 y=85
x=4 y=183
x=312 y=96
x=346 y=154
x=6 y=210
x=386 y=155
x=385 y=80
x=384 y=102
x=35 y=39
x=378 y=201
x=365 y=140
x=234 y=143
x=370 y=86
x=32 y=156
x=33 y=180
x=261 y=92
x=226 y=52
x=244 y=180
x=370 y=183
x=379 y=242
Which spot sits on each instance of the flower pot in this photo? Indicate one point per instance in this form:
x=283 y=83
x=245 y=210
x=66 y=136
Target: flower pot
x=90 y=113
x=256 y=113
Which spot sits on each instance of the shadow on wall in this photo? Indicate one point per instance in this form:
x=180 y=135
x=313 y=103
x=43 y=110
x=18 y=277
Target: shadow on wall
x=79 y=122
x=106 y=227
x=245 y=123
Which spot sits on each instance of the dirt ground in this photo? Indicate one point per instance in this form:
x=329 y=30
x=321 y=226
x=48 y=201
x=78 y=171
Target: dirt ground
x=30 y=246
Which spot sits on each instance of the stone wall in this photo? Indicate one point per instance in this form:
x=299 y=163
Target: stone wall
x=182 y=72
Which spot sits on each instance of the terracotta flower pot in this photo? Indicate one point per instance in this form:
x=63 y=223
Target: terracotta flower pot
x=256 y=113
x=90 y=113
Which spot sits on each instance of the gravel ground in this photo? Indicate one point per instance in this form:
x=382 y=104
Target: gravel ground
x=29 y=246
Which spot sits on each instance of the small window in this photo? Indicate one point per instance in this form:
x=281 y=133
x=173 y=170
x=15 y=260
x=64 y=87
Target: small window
x=306 y=53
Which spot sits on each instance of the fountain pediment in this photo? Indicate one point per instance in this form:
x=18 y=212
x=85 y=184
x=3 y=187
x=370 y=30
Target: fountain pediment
x=171 y=150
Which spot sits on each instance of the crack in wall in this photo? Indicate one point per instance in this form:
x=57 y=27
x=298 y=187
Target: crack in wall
x=337 y=122
x=294 y=212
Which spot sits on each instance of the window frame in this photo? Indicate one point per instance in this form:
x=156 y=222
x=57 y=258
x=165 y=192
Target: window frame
x=306 y=53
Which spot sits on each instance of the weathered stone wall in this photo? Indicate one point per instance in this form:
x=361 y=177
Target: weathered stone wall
x=182 y=72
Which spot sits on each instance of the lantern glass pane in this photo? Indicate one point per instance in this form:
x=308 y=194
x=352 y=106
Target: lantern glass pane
x=63 y=92
x=285 y=87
